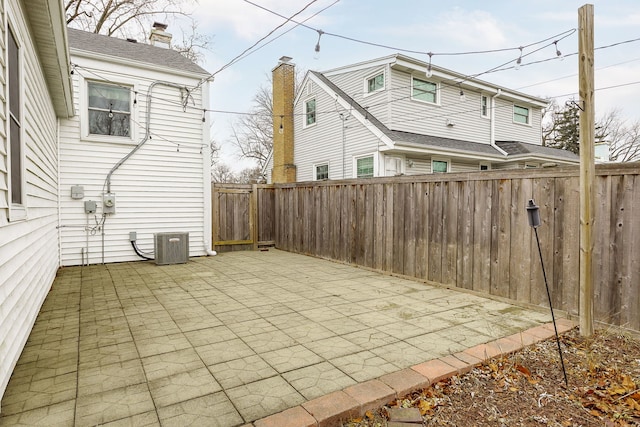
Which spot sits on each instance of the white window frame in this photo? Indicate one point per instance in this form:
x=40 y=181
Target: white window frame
x=315 y=170
x=400 y=161
x=362 y=156
x=528 y=123
x=373 y=76
x=487 y=164
x=84 y=112
x=441 y=159
x=436 y=90
x=484 y=109
x=306 y=113
x=17 y=211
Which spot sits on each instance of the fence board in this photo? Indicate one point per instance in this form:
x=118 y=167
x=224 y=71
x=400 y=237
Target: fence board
x=501 y=238
x=482 y=232
x=467 y=230
x=434 y=199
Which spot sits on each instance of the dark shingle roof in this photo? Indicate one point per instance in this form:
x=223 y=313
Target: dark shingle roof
x=516 y=147
x=111 y=46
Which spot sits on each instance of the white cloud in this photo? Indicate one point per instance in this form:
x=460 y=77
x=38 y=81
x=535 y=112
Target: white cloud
x=250 y=22
x=474 y=29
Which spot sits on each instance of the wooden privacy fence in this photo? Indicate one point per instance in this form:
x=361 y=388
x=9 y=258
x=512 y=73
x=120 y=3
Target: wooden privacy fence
x=471 y=231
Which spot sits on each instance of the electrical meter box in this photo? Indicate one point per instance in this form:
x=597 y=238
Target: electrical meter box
x=109 y=203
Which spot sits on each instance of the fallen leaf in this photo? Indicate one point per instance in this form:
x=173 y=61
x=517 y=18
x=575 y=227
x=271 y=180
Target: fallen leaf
x=524 y=370
x=369 y=415
x=425 y=407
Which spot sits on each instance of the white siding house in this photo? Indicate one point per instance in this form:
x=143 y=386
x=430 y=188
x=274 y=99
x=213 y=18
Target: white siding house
x=399 y=115
x=34 y=91
x=101 y=119
x=164 y=185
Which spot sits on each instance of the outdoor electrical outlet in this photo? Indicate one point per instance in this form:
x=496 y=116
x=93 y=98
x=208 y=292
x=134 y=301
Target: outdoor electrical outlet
x=109 y=203
x=133 y=236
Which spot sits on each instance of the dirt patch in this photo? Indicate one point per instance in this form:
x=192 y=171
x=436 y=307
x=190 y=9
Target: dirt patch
x=527 y=388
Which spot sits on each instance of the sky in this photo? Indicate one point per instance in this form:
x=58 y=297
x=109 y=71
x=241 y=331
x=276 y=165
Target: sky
x=425 y=26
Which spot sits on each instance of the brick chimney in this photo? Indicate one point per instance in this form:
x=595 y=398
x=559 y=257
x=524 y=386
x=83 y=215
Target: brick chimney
x=159 y=37
x=283 y=93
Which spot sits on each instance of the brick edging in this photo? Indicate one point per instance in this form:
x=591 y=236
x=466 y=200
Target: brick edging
x=334 y=408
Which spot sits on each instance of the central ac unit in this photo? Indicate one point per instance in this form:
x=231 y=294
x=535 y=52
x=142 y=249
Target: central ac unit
x=171 y=248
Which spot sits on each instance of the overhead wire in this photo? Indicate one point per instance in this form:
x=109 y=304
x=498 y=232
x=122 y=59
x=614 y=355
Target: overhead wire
x=241 y=55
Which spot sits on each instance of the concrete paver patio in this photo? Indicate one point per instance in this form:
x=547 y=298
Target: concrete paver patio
x=227 y=340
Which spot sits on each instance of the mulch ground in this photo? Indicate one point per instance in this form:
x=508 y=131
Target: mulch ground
x=527 y=388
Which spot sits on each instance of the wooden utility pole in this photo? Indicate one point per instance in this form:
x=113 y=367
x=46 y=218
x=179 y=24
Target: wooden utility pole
x=587 y=166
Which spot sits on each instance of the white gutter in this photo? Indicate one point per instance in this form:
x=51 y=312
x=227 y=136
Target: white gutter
x=492 y=136
x=206 y=178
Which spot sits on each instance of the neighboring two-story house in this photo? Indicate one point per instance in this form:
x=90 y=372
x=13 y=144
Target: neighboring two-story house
x=399 y=115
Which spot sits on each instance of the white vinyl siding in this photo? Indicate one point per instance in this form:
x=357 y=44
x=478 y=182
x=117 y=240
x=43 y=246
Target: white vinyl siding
x=159 y=189
x=407 y=114
x=354 y=84
x=323 y=142
x=29 y=247
x=507 y=130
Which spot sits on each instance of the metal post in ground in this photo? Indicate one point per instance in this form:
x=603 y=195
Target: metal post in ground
x=534 y=221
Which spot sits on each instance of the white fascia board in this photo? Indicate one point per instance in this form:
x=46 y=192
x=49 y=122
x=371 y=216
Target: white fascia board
x=303 y=87
x=360 y=66
x=136 y=64
x=355 y=113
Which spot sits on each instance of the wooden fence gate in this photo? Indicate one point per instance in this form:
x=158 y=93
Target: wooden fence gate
x=242 y=216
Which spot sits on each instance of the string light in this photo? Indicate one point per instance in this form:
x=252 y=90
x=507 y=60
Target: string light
x=281 y=129
x=558 y=53
x=204 y=115
x=519 y=60
x=317 y=48
x=463 y=97
x=429 y=72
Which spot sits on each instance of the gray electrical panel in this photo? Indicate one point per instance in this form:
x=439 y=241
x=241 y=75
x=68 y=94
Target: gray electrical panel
x=77 y=192
x=89 y=206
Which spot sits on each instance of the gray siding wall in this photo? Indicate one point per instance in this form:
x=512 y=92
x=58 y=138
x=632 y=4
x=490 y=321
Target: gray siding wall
x=28 y=247
x=508 y=130
x=159 y=189
x=323 y=142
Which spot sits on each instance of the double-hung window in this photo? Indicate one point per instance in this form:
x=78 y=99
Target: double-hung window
x=310 y=112
x=364 y=167
x=423 y=90
x=375 y=83
x=521 y=114
x=484 y=106
x=109 y=109
x=15 y=124
x=322 y=171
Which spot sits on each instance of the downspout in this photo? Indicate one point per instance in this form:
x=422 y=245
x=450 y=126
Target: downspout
x=206 y=185
x=492 y=136
x=59 y=228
